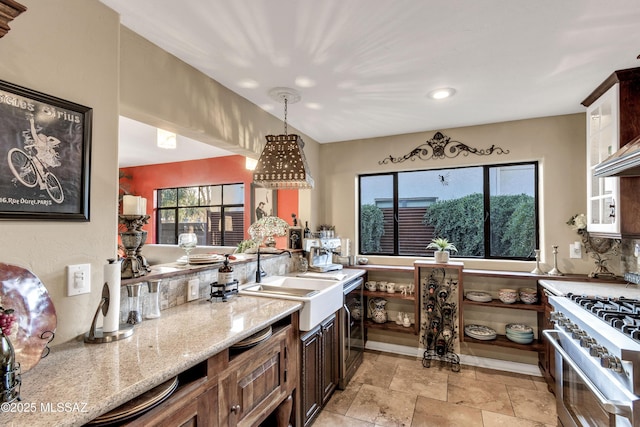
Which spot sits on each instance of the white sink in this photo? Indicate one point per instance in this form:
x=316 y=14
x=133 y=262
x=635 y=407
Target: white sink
x=321 y=297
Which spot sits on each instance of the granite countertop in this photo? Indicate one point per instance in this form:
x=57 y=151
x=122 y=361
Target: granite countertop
x=603 y=289
x=77 y=382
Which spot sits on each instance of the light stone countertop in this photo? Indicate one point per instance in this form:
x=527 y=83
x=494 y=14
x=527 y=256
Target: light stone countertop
x=77 y=382
x=602 y=289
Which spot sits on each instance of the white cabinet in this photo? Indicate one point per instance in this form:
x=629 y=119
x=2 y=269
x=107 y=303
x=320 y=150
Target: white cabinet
x=603 y=194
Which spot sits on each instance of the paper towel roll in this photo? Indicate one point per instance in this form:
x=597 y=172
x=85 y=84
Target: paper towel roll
x=112 y=279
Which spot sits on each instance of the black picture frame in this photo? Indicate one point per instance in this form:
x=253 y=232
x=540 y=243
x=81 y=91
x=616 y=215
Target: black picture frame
x=263 y=195
x=45 y=143
x=294 y=238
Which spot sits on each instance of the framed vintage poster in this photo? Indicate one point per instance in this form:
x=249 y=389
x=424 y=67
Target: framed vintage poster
x=45 y=142
x=264 y=202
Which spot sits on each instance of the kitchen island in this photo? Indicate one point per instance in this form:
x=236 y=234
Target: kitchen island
x=77 y=382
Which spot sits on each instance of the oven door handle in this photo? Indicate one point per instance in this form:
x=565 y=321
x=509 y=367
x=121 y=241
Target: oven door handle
x=611 y=406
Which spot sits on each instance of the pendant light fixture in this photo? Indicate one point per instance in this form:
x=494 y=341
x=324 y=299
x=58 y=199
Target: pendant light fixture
x=282 y=164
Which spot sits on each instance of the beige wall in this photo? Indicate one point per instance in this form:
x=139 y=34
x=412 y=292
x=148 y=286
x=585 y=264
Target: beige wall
x=558 y=143
x=69 y=49
x=158 y=89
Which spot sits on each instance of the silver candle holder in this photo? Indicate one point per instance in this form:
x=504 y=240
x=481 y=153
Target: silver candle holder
x=537 y=270
x=554 y=271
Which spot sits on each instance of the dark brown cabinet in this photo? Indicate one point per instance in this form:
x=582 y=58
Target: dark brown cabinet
x=193 y=405
x=256 y=382
x=319 y=370
x=243 y=388
x=613 y=120
x=546 y=357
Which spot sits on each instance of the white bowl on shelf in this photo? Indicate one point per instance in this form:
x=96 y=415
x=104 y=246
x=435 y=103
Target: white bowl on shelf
x=508 y=296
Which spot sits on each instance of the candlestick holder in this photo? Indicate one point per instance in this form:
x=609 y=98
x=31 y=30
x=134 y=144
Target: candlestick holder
x=554 y=271
x=134 y=264
x=537 y=270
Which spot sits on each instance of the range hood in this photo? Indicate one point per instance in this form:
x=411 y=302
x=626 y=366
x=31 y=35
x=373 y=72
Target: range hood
x=624 y=162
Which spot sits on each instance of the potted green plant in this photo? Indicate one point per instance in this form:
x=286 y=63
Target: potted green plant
x=442 y=248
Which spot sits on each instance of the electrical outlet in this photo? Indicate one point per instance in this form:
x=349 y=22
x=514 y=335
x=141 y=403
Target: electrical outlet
x=193 y=289
x=575 y=250
x=78 y=279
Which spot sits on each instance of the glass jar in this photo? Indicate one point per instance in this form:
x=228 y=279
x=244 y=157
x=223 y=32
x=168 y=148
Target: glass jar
x=303 y=264
x=135 y=304
x=152 y=308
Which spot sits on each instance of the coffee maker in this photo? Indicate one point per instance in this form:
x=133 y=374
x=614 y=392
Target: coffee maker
x=320 y=254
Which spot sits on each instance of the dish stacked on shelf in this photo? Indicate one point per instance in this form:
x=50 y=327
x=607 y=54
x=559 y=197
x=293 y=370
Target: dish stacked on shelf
x=478 y=296
x=520 y=333
x=528 y=295
x=480 y=332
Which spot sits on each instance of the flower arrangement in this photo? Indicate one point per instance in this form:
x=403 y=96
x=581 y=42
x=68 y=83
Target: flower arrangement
x=267 y=227
x=578 y=222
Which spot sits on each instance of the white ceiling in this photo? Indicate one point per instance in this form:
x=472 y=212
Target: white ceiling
x=372 y=62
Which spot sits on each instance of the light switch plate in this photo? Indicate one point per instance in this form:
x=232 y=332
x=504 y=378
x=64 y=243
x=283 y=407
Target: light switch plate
x=78 y=279
x=193 y=289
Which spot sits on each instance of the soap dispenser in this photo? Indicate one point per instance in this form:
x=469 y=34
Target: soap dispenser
x=225 y=273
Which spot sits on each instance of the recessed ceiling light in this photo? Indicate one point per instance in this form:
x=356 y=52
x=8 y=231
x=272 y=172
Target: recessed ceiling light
x=442 y=93
x=313 y=106
x=305 y=82
x=165 y=139
x=248 y=83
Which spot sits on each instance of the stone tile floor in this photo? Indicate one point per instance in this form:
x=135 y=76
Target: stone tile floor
x=392 y=390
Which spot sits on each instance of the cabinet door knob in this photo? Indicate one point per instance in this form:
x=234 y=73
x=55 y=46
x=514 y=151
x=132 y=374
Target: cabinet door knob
x=235 y=409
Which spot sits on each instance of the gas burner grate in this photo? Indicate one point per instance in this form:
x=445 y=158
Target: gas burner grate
x=621 y=313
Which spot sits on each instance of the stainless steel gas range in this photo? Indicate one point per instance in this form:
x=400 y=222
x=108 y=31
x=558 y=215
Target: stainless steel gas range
x=597 y=354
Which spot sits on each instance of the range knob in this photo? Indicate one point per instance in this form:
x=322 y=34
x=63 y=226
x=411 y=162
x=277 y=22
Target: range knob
x=555 y=316
x=609 y=361
x=597 y=351
x=588 y=342
x=578 y=333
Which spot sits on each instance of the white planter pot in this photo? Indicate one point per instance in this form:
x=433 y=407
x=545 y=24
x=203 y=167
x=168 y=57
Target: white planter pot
x=442 y=257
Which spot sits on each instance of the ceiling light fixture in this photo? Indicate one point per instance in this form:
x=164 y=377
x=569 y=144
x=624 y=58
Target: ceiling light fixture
x=166 y=139
x=282 y=164
x=442 y=93
x=249 y=163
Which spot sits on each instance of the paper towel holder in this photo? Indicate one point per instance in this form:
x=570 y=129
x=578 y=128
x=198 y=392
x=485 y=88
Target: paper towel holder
x=98 y=335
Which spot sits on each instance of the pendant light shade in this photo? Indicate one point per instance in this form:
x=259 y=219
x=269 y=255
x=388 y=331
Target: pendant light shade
x=282 y=164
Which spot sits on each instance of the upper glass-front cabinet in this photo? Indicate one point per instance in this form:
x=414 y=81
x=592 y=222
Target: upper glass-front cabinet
x=603 y=209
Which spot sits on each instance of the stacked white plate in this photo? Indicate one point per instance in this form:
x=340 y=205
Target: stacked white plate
x=480 y=332
x=520 y=333
x=478 y=296
x=201 y=259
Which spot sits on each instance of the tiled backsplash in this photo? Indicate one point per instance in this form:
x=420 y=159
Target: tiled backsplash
x=173 y=291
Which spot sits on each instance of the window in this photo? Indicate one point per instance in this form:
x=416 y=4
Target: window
x=486 y=211
x=214 y=212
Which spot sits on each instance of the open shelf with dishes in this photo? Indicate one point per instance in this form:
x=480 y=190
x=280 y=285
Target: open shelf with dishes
x=493 y=301
x=399 y=302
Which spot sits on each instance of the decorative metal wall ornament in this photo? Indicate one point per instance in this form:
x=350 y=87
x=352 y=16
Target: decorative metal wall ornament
x=441 y=147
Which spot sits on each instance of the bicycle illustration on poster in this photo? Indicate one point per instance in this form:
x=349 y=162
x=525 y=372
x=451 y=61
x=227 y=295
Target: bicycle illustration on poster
x=45 y=142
